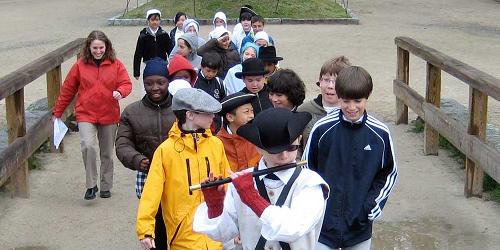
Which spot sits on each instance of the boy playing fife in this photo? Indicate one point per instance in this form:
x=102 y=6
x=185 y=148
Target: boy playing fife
x=188 y=156
x=287 y=211
x=353 y=152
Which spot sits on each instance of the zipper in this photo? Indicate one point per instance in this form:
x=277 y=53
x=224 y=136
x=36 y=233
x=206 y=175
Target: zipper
x=159 y=123
x=176 y=232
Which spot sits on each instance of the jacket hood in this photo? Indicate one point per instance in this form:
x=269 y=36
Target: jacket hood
x=192 y=40
x=188 y=140
x=179 y=63
x=190 y=22
x=222 y=16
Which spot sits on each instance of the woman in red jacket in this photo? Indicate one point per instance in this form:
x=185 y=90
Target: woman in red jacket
x=98 y=80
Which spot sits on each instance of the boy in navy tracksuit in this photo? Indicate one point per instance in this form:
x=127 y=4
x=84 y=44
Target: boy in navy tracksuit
x=209 y=82
x=353 y=152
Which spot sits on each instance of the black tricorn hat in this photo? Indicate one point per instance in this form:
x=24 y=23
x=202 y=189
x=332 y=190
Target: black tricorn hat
x=235 y=100
x=251 y=67
x=268 y=54
x=275 y=129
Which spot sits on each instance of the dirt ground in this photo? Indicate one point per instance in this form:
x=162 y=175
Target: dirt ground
x=427 y=209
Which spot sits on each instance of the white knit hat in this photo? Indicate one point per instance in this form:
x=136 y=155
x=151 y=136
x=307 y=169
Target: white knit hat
x=177 y=84
x=261 y=35
x=153 y=11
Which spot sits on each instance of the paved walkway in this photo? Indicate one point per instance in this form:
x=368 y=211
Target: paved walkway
x=427 y=209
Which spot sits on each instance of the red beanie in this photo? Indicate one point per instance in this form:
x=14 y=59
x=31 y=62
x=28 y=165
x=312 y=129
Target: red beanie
x=179 y=63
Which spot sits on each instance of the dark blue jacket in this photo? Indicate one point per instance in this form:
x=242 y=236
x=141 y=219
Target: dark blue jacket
x=357 y=161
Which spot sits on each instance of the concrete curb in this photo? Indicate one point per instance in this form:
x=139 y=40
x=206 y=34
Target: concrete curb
x=117 y=21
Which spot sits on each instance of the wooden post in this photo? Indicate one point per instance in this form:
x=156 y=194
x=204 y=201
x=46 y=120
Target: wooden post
x=53 y=88
x=16 y=125
x=474 y=175
x=402 y=74
x=432 y=96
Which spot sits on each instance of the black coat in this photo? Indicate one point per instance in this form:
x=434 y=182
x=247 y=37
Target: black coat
x=230 y=56
x=149 y=46
x=262 y=101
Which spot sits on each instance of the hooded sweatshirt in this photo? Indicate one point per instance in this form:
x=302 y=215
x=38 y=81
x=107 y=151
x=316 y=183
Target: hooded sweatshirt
x=193 y=58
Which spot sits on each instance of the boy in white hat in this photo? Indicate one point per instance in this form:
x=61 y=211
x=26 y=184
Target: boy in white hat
x=187 y=157
x=153 y=42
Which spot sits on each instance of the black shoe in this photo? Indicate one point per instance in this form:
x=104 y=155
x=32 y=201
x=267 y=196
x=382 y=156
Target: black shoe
x=90 y=193
x=105 y=194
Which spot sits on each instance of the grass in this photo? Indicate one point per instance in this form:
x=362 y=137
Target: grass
x=490 y=186
x=206 y=9
x=34 y=160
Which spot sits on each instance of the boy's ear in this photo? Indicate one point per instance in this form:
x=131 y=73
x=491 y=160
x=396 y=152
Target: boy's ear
x=230 y=117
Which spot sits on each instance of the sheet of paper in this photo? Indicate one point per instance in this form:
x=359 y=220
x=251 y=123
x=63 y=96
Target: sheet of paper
x=60 y=130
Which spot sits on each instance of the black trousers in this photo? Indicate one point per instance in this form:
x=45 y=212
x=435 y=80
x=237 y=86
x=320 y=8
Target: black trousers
x=160 y=232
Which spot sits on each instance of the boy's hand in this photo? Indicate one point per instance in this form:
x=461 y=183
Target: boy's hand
x=243 y=182
x=148 y=243
x=144 y=165
x=117 y=95
x=214 y=197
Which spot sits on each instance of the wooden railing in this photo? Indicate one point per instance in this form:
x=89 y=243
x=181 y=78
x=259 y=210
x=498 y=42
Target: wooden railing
x=23 y=143
x=471 y=140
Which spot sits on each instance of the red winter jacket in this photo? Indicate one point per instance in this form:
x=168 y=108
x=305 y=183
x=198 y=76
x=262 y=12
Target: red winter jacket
x=94 y=86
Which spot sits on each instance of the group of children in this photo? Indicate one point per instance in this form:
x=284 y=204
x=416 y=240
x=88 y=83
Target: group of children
x=223 y=108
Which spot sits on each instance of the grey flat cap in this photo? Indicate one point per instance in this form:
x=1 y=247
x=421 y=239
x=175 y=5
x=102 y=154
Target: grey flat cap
x=195 y=100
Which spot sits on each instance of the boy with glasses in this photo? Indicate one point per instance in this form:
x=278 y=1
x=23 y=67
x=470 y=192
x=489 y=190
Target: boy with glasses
x=287 y=210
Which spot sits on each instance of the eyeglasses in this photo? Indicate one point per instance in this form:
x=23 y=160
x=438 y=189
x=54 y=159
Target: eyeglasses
x=292 y=147
x=326 y=80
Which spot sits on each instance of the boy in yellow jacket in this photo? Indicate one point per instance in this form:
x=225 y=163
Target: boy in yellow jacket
x=184 y=159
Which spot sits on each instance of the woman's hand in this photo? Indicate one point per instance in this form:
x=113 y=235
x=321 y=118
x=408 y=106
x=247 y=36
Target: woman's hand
x=117 y=95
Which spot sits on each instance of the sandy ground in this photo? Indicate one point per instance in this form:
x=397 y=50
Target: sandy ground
x=427 y=209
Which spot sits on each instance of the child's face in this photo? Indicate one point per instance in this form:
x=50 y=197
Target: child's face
x=269 y=67
x=219 y=22
x=257 y=27
x=97 y=49
x=180 y=22
x=200 y=120
x=224 y=42
x=154 y=22
x=261 y=43
x=280 y=100
x=328 y=94
x=242 y=115
x=182 y=74
x=249 y=53
x=246 y=24
x=209 y=73
x=183 y=48
x=254 y=83
x=192 y=30
x=353 y=109
x=285 y=157
x=156 y=87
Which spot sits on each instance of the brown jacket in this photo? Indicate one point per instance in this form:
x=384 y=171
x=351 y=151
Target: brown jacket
x=144 y=125
x=240 y=153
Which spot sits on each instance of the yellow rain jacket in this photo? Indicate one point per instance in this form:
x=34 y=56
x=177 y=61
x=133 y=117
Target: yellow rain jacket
x=180 y=161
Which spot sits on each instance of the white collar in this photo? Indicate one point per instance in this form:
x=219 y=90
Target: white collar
x=283 y=175
x=360 y=120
